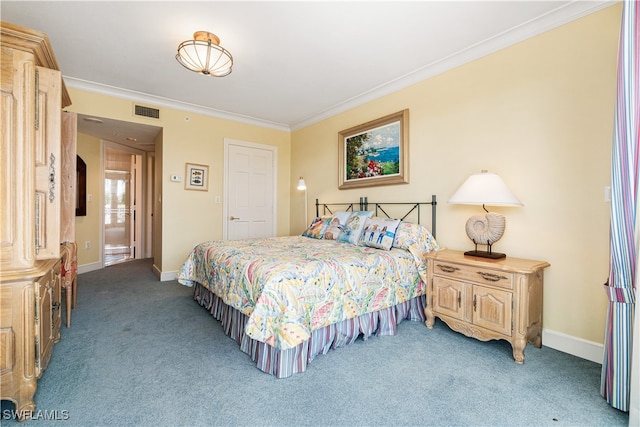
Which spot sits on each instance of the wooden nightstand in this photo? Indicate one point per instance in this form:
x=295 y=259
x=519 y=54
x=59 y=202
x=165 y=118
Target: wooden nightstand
x=487 y=299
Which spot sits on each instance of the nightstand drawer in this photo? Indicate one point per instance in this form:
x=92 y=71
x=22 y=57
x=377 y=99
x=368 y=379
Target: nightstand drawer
x=475 y=274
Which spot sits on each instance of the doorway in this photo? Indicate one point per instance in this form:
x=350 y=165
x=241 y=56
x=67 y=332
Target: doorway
x=128 y=138
x=122 y=196
x=118 y=242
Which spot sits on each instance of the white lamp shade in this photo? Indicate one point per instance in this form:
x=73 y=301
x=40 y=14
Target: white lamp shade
x=484 y=188
x=301 y=184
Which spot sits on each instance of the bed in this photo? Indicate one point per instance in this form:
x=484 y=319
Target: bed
x=356 y=271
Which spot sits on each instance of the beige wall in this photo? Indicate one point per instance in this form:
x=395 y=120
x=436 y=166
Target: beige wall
x=539 y=114
x=157 y=206
x=185 y=217
x=88 y=227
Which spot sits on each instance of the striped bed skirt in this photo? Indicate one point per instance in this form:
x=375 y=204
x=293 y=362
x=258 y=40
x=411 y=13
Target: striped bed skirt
x=284 y=363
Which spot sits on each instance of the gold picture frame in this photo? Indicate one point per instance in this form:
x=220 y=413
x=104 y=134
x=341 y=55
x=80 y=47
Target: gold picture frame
x=196 y=177
x=375 y=153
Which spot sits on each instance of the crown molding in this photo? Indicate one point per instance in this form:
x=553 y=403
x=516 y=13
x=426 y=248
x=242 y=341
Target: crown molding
x=560 y=16
x=564 y=14
x=159 y=101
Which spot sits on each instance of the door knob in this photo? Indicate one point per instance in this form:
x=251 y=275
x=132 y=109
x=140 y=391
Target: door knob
x=233 y=218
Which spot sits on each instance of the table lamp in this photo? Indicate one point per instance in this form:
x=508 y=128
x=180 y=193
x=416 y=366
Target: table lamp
x=486 y=189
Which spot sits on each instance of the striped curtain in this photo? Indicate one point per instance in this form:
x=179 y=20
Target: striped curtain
x=625 y=218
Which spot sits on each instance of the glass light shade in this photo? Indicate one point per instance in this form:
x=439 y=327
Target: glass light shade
x=484 y=188
x=204 y=55
x=301 y=184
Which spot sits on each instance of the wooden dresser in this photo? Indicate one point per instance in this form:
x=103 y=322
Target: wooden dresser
x=30 y=319
x=487 y=299
x=30 y=163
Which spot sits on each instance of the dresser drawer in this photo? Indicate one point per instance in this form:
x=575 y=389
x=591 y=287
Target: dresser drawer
x=471 y=273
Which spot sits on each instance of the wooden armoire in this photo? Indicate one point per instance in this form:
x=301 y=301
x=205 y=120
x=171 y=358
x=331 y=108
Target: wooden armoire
x=31 y=161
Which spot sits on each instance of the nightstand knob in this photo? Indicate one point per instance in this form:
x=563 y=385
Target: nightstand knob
x=447 y=268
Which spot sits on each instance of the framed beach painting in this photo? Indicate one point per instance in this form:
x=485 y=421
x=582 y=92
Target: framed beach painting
x=375 y=153
x=197 y=177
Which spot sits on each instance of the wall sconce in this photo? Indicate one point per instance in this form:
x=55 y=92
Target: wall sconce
x=303 y=186
x=485 y=188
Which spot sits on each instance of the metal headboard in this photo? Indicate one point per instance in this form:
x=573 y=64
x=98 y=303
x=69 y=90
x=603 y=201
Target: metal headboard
x=364 y=205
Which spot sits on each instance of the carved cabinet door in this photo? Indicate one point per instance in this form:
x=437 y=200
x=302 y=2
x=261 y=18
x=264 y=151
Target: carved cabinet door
x=492 y=309
x=48 y=163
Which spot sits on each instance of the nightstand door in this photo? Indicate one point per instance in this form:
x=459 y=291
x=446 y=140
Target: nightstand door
x=449 y=297
x=492 y=309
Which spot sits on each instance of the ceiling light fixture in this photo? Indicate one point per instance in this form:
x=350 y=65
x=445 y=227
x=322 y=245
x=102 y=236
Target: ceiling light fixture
x=204 y=55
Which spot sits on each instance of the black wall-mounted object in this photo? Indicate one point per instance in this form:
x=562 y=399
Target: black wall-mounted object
x=81 y=187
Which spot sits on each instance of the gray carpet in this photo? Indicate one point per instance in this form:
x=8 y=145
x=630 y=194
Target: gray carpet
x=143 y=352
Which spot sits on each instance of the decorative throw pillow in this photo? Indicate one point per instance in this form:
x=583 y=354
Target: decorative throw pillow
x=352 y=230
x=317 y=228
x=336 y=224
x=379 y=232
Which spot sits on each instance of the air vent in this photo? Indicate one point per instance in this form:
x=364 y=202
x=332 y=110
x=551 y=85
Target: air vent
x=142 y=111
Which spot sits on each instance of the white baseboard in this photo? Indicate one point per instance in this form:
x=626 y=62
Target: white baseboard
x=164 y=276
x=634 y=417
x=575 y=346
x=85 y=268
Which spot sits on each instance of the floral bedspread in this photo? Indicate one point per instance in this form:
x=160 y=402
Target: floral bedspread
x=290 y=286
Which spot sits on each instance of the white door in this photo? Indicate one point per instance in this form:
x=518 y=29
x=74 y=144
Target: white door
x=250 y=190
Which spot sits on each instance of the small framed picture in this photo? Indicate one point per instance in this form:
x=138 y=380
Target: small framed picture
x=197 y=177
